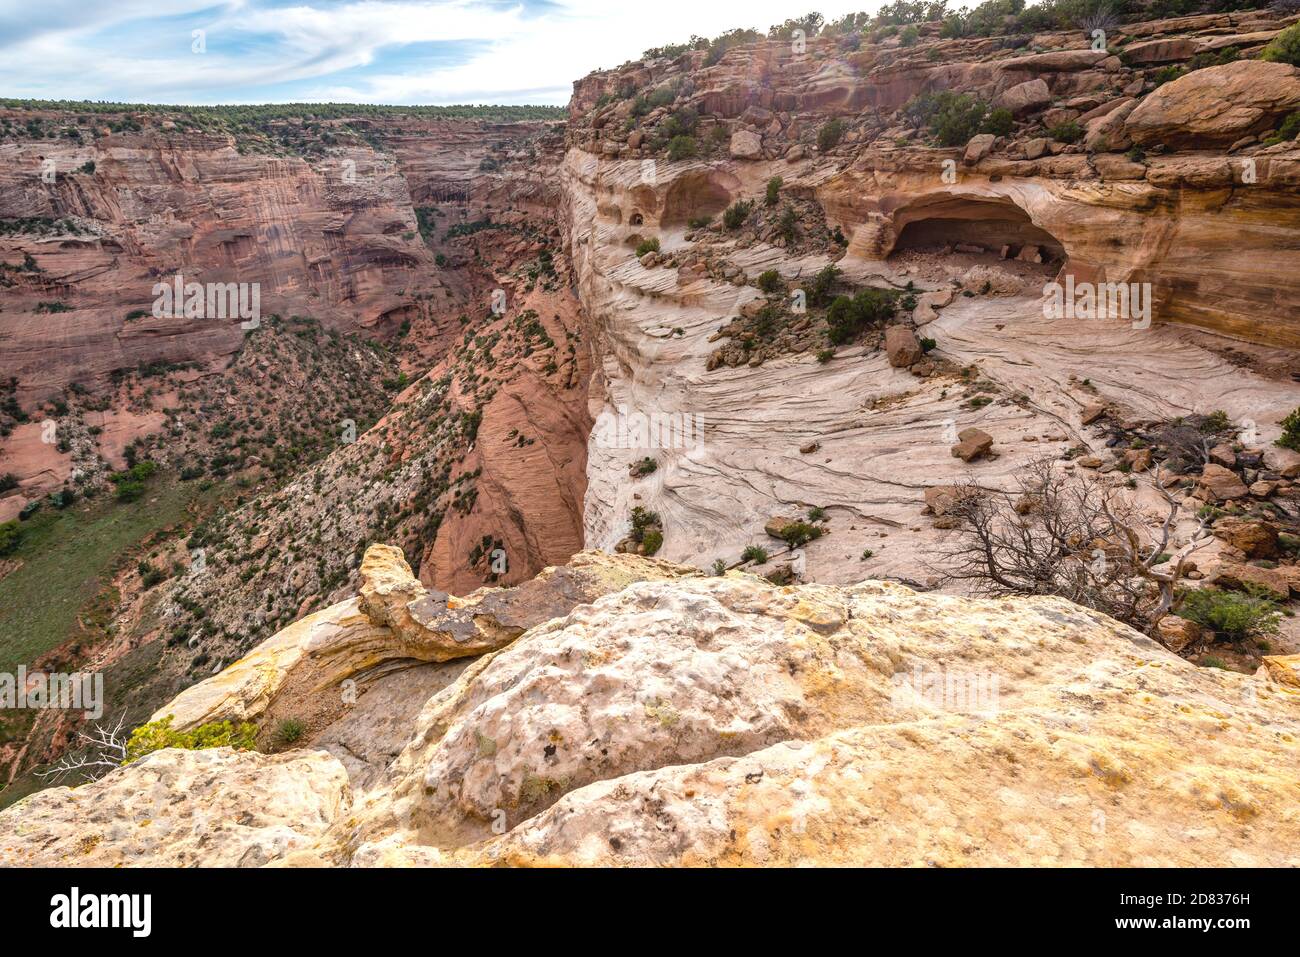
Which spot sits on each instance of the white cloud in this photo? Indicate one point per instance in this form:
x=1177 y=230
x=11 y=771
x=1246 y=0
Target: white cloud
x=512 y=56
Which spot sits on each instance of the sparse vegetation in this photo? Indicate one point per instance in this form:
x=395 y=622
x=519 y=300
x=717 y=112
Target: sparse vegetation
x=682 y=147
x=216 y=734
x=1290 y=437
x=953 y=118
x=848 y=317
x=289 y=731
x=644 y=467
x=1068 y=132
x=1231 y=615
x=773 y=193
x=1285 y=47
x=11 y=534
x=797 y=534
x=830 y=134
x=1289 y=130
x=754 y=553
x=1069 y=536
x=735 y=215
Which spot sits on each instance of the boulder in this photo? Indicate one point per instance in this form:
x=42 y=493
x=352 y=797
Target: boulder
x=902 y=347
x=972 y=444
x=928 y=305
x=1223 y=455
x=941 y=499
x=777 y=524
x=1108 y=132
x=1165 y=50
x=1275 y=584
x=1218 y=484
x=1254 y=538
x=1025 y=97
x=1037 y=147
x=1217 y=105
x=1092 y=412
x=1056 y=61
x=1292 y=575
x=1139 y=460
x=1281 y=670
x=978 y=148
x=1177 y=633
x=746 y=145
x=1058 y=115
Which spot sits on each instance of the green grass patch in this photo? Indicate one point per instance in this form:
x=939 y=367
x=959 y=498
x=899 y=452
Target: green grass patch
x=68 y=557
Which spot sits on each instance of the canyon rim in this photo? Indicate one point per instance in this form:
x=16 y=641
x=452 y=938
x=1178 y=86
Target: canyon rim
x=869 y=441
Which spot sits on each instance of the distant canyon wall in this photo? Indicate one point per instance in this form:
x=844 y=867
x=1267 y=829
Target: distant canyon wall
x=333 y=237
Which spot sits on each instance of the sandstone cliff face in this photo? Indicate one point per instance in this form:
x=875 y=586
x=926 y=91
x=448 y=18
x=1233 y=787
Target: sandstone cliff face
x=673 y=719
x=334 y=235
x=976 y=235
x=1200 y=224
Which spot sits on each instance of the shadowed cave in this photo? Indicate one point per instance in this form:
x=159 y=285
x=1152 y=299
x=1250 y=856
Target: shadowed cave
x=991 y=225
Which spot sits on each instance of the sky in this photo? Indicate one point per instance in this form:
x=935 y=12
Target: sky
x=356 y=51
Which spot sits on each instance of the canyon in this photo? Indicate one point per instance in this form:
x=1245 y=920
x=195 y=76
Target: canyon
x=506 y=626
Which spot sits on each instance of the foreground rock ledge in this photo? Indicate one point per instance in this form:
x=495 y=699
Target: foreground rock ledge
x=669 y=718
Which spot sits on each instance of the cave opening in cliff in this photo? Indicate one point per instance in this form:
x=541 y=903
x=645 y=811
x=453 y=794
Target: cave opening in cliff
x=698 y=194
x=999 y=228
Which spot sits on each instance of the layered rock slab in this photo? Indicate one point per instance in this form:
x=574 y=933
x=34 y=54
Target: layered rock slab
x=724 y=720
x=176 y=808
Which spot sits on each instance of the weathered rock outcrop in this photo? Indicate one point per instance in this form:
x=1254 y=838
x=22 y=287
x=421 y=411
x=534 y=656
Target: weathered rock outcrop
x=1216 y=106
x=396 y=619
x=979 y=245
x=723 y=720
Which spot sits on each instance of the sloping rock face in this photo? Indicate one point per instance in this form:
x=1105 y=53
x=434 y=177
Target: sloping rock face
x=395 y=619
x=725 y=721
x=1217 y=105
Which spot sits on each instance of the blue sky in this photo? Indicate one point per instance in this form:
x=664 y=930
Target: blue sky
x=370 y=51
